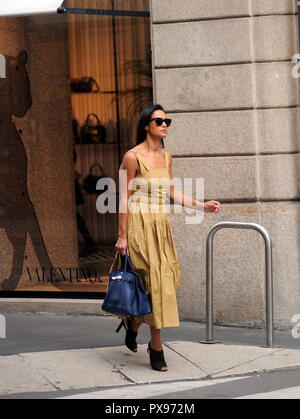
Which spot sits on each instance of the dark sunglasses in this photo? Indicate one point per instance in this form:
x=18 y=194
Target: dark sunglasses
x=160 y=121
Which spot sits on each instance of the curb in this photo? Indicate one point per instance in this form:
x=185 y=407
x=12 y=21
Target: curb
x=51 y=306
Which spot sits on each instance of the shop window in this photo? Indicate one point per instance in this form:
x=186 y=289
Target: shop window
x=83 y=127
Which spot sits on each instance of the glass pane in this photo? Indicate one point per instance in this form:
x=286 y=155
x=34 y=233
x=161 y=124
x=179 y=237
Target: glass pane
x=52 y=237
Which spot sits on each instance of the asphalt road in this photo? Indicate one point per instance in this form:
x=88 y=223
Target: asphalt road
x=285 y=384
x=49 y=332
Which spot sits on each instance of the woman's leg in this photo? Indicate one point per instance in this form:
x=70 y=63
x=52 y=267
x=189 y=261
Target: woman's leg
x=134 y=324
x=155 y=339
x=156 y=344
x=131 y=326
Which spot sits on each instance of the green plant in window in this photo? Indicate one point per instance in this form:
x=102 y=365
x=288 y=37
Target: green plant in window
x=140 y=96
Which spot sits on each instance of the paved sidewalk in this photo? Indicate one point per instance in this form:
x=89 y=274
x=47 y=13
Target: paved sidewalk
x=55 y=356
x=85 y=370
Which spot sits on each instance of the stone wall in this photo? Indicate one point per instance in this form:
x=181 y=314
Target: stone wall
x=222 y=70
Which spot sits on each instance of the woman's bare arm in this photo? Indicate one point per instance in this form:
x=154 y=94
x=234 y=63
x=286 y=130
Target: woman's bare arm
x=130 y=166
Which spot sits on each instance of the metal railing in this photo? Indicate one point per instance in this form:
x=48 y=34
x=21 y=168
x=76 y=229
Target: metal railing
x=269 y=278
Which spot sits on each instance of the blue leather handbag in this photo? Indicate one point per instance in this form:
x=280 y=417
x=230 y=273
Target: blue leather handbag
x=126 y=294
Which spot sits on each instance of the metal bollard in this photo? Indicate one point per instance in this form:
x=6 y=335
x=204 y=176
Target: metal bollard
x=269 y=278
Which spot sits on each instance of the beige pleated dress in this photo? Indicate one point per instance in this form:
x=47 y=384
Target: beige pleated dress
x=150 y=243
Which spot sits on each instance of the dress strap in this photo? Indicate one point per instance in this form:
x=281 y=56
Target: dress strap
x=148 y=167
x=143 y=165
x=166 y=158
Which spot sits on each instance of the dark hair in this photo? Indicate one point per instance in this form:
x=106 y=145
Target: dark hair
x=144 y=121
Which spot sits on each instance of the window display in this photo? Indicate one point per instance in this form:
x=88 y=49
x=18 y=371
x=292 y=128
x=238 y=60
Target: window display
x=72 y=88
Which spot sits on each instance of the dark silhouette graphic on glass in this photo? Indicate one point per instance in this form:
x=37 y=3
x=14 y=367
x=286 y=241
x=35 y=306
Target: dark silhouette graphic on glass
x=17 y=213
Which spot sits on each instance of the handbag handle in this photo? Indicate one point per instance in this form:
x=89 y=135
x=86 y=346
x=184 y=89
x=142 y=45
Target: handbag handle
x=97 y=86
x=88 y=118
x=113 y=264
x=127 y=259
x=96 y=165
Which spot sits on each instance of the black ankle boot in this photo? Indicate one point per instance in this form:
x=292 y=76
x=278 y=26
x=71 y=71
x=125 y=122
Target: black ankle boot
x=157 y=359
x=130 y=339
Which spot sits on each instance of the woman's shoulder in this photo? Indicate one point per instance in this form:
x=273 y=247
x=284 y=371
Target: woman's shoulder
x=132 y=149
x=131 y=153
x=130 y=157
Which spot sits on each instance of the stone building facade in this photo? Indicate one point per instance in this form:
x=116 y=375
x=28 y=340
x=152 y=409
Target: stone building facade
x=223 y=70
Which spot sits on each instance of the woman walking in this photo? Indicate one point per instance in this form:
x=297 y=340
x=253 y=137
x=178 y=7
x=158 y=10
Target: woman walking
x=145 y=234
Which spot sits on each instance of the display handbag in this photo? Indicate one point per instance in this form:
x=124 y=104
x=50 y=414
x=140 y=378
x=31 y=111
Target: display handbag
x=90 y=181
x=84 y=85
x=93 y=132
x=126 y=294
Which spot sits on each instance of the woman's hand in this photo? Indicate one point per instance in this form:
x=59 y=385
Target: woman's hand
x=212 y=206
x=121 y=245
